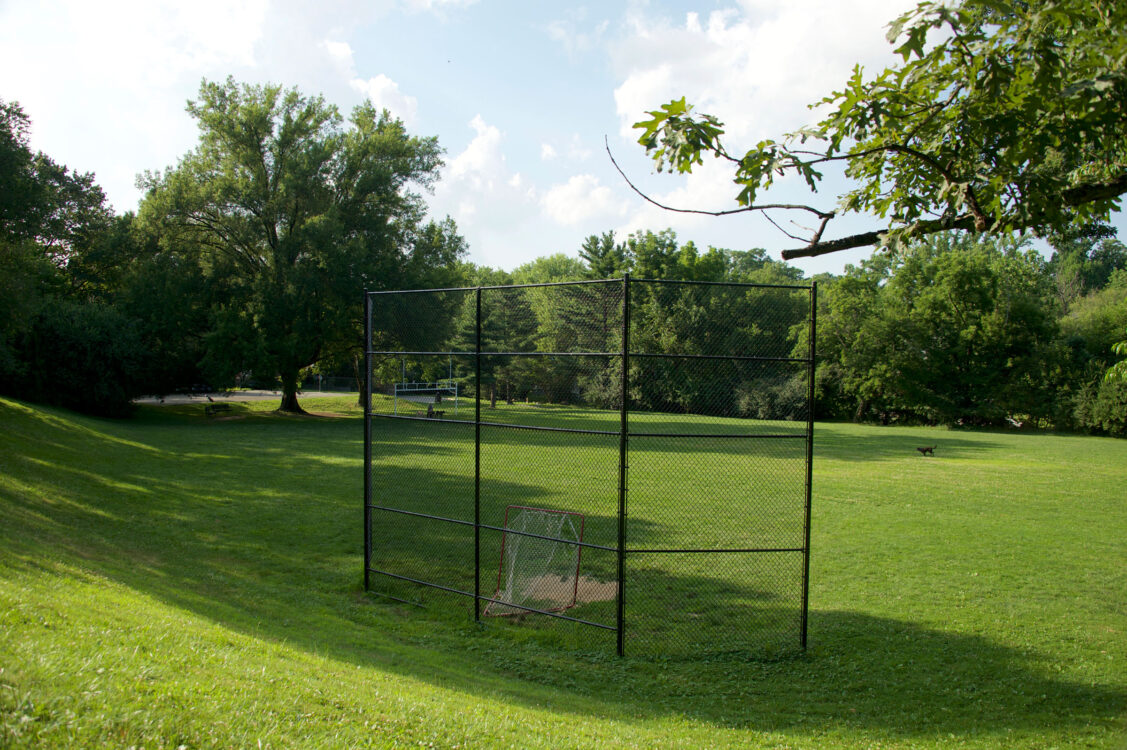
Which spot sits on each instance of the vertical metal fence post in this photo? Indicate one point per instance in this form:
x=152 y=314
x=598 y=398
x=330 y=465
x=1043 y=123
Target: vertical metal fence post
x=477 y=462
x=622 y=453
x=809 y=457
x=366 y=402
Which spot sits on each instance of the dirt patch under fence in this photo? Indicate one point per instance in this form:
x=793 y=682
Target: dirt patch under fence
x=548 y=587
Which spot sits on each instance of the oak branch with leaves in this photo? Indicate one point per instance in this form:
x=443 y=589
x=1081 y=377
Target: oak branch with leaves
x=1002 y=116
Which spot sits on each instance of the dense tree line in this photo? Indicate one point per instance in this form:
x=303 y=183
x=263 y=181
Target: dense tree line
x=247 y=259
x=62 y=338
x=964 y=330
x=954 y=329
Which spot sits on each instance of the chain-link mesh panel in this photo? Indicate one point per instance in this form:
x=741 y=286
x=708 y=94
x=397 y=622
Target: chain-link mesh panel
x=428 y=321
x=434 y=386
x=423 y=354
x=422 y=505
x=577 y=318
x=567 y=472
x=707 y=428
x=721 y=320
x=718 y=402
x=423 y=471
x=684 y=605
x=674 y=395
x=552 y=391
x=726 y=493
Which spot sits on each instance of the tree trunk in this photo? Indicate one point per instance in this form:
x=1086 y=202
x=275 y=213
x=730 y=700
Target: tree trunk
x=361 y=382
x=289 y=403
x=862 y=408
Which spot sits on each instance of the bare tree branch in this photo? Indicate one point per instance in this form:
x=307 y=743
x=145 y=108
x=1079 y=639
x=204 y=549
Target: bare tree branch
x=776 y=224
x=745 y=209
x=821 y=228
x=1074 y=196
x=865 y=239
x=1097 y=191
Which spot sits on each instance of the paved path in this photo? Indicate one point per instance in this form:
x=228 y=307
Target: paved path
x=201 y=398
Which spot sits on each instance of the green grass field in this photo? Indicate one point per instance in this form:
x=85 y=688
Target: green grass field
x=173 y=580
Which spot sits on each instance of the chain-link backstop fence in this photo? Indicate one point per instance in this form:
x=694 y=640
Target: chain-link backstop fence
x=624 y=459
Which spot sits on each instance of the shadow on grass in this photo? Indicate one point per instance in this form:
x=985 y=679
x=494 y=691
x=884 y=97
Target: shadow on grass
x=259 y=529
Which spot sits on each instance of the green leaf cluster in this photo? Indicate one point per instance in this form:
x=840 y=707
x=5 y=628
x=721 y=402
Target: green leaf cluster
x=1012 y=107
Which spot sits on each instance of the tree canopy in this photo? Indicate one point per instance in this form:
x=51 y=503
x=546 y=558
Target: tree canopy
x=291 y=214
x=1004 y=115
x=954 y=330
x=60 y=340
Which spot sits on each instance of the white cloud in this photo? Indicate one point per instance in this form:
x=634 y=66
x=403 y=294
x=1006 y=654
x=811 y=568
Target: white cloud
x=577 y=150
x=100 y=83
x=341 y=55
x=481 y=164
x=756 y=68
x=574 y=148
x=575 y=34
x=559 y=31
x=385 y=94
x=495 y=207
x=707 y=188
x=437 y=7
x=466 y=210
x=582 y=199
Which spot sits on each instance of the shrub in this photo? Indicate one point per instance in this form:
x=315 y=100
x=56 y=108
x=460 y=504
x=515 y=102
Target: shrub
x=83 y=356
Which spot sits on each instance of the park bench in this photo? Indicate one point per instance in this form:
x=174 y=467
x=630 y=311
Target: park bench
x=212 y=409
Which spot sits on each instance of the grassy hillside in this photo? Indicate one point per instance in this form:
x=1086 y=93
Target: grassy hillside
x=173 y=580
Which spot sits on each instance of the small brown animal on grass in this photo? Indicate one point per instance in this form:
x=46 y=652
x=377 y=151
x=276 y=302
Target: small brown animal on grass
x=927 y=450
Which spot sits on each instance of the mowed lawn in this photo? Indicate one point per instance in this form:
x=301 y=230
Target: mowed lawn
x=173 y=580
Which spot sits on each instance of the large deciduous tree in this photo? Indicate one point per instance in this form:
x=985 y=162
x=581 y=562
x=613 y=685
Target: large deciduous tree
x=292 y=213
x=954 y=330
x=1004 y=115
x=60 y=341
x=62 y=211
x=1084 y=259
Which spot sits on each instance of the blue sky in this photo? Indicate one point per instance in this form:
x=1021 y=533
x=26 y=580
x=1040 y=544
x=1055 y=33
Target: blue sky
x=520 y=94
